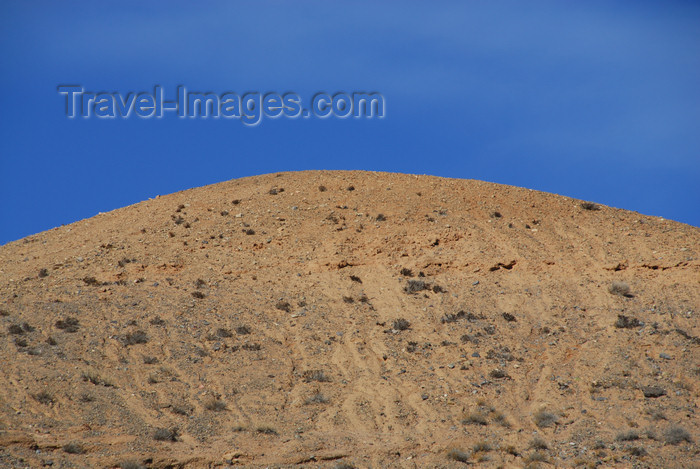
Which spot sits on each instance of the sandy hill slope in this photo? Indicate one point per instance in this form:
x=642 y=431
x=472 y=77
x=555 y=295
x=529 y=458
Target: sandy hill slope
x=352 y=319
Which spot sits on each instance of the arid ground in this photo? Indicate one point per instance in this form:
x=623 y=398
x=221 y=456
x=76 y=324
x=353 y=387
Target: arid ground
x=352 y=319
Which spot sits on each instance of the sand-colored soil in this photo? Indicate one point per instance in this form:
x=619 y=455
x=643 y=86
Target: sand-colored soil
x=271 y=322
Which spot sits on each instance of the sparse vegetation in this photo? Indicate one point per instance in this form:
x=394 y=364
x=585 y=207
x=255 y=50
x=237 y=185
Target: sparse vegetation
x=500 y=418
x=449 y=317
x=283 y=306
x=469 y=338
x=538 y=443
x=458 y=455
x=401 y=324
x=589 y=206
x=266 y=430
x=482 y=447
x=414 y=286
x=343 y=465
x=125 y=261
x=637 y=451
x=692 y=338
x=498 y=374
x=131 y=465
x=91 y=281
x=73 y=448
x=43 y=273
x=475 y=418
x=93 y=377
x=316 y=398
x=215 y=405
x=180 y=409
x=166 y=434
x=629 y=435
x=509 y=317
x=620 y=289
x=44 y=397
x=657 y=415
x=316 y=375
x=157 y=321
x=545 y=419
x=69 y=324
x=625 y=322
x=512 y=450
x=676 y=435
x=536 y=457
x=135 y=338
x=288 y=346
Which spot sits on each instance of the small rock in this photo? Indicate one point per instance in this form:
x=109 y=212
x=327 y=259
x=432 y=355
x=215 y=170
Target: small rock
x=476 y=355
x=424 y=397
x=653 y=391
x=665 y=356
x=476 y=283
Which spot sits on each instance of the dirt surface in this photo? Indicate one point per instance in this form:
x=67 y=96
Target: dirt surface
x=352 y=319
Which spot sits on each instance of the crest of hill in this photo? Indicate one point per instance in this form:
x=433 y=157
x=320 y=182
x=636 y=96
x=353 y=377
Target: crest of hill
x=357 y=318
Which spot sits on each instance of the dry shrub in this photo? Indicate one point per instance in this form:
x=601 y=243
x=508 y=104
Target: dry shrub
x=620 y=289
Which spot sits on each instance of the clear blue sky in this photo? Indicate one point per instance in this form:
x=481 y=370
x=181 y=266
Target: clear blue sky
x=595 y=100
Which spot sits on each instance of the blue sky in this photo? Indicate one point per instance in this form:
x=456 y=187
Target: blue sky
x=594 y=100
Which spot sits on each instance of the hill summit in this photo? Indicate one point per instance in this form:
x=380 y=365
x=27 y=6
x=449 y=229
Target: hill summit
x=352 y=319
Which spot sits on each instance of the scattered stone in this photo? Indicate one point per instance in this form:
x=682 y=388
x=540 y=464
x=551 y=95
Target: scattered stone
x=653 y=391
